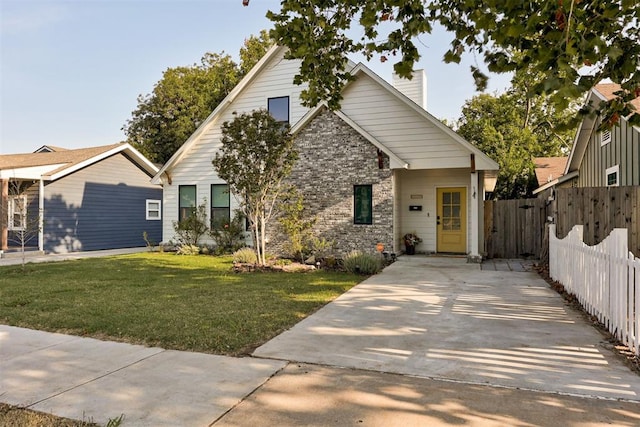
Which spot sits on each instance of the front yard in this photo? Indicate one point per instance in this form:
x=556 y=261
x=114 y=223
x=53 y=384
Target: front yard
x=193 y=303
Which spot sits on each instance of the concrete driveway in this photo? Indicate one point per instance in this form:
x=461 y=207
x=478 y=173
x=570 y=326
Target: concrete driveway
x=442 y=318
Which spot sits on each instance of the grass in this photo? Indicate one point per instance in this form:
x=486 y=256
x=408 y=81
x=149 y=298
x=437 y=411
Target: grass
x=193 y=303
x=11 y=416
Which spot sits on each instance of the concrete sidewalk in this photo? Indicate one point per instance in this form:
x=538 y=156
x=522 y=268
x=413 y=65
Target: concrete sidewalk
x=89 y=379
x=16 y=258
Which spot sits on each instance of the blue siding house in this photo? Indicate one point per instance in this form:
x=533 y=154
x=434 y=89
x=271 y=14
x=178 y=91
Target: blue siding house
x=61 y=201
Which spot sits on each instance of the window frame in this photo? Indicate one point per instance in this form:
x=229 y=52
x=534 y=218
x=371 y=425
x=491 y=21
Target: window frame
x=212 y=206
x=11 y=212
x=180 y=207
x=148 y=210
x=288 y=120
x=356 y=209
x=611 y=171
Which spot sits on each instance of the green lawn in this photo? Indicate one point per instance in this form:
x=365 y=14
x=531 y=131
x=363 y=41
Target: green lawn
x=179 y=302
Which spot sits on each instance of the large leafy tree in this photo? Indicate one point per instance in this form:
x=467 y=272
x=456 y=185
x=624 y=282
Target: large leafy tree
x=257 y=154
x=573 y=44
x=514 y=127
x=185 y=96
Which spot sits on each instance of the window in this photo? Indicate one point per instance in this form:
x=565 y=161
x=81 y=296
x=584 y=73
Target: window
x=611 y=176
x=220 y=205
x=187 y=201
x=17 y=213
x=153 y=210
x=362 y=204
x=605 y=137
x=279 y=108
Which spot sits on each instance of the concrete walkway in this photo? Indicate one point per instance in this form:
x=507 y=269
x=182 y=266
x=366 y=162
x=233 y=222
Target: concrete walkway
x=430 y=341
x=16 y=258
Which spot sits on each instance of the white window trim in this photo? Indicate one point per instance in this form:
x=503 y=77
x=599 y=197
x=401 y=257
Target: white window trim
x=605 y=137
x=149 y=209
x=613 y=169
x=12 y=210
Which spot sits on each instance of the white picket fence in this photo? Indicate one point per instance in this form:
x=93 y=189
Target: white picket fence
x=605 y=278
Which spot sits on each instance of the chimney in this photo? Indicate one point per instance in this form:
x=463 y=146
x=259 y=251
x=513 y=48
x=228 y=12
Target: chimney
x=414 y=89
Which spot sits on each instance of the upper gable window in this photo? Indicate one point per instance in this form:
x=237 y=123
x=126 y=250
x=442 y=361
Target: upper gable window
x=605 y=137
x=612 y=176
x=279 y=108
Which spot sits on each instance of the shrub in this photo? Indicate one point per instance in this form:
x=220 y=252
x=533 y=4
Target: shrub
x=188 y=250
x=228 y=235
x=296 y=225
x=245 y=256
x=191 y=229
x=361 y=263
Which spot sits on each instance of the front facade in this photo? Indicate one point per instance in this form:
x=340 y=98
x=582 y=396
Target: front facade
x=63 y=201
x=376 y=169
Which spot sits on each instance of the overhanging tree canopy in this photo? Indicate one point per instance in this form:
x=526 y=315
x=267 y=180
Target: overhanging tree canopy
x=573 y=44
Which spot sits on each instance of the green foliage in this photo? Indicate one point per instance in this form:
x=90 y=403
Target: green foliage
x=362 y=263
x=296 y=225
x=257 y=154
x=245 y=256
x=228 y=235
x=188 y=250
x=514 y=127
x=183 y=98
x=573 y=45
x=321 y=248
x=189 y=230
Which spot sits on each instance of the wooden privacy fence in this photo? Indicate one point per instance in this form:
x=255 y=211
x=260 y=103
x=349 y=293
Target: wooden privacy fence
x=599 y=210
x=514 y=228
x=605 y=278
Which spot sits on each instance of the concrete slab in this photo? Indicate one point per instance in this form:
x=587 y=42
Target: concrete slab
x=447 y=319
x=84 y=378
x=306 y=395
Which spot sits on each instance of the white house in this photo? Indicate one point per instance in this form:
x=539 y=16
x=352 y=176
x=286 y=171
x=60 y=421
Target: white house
x=376 y=169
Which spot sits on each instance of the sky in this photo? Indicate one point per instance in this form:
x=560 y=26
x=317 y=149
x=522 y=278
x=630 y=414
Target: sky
x=71 y=70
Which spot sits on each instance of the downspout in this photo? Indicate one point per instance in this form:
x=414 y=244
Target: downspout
x=4 y=206
x=41 y=215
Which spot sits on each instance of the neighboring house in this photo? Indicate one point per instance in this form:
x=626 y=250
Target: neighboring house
x=89 y=198
x=602 y=158
x=376 y=169
x=549 y=170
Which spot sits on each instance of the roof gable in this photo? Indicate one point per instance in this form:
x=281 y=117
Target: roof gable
x=52 y=165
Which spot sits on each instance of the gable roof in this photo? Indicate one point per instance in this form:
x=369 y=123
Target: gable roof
x=49 y=148
x=549 y=168
x=484 y=161
x=601 y=92
x=52 y=165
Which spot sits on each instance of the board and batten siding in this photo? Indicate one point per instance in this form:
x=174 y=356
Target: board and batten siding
x=425 y=183
x=400 y=128
x=195 y=167
x=102 y=206
x=622 y=150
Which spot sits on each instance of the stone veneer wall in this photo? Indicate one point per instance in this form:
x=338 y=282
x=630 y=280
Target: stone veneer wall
x=333 y=157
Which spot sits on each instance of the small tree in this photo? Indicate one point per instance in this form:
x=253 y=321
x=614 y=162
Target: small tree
x=257 y=154
x=297 y=225
x=23 y=225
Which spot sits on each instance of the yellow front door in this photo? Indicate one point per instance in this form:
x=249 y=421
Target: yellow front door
x=452 y=220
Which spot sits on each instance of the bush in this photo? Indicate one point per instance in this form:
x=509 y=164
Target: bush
x=188 y=250
x=191 y=229
x=361 y=263
x=245 y=256
x=228 y=235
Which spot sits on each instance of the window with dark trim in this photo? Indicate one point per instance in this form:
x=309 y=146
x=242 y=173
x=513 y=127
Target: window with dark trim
x=611 y=175
x=362 y=204
x=187 y=201
x=220 y=205
x=279 y=108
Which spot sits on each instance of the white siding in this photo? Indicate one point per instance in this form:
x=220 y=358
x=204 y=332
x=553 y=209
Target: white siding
x=414 y=89
x=195 y=167
x=403 y=130
x=425 y=183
